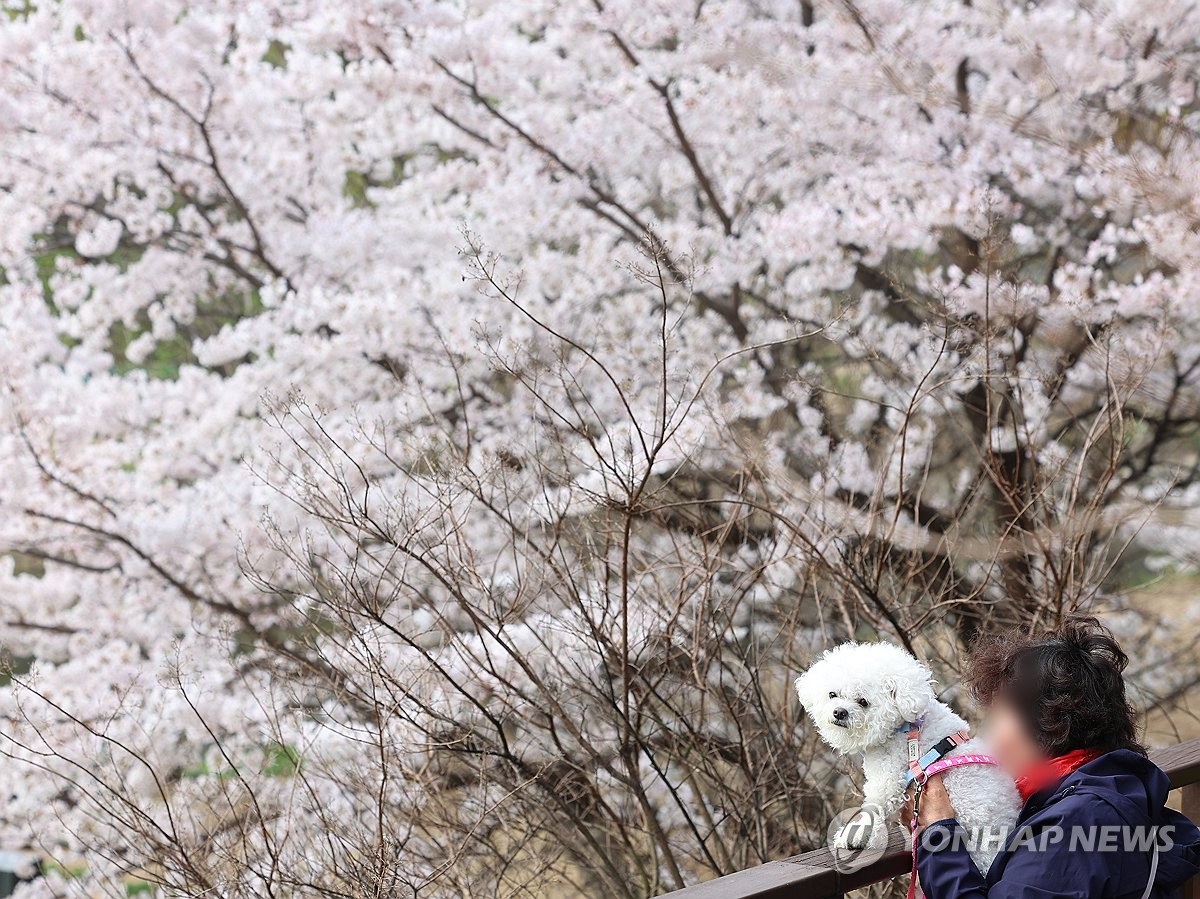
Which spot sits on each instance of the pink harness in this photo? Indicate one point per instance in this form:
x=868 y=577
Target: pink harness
x=922 y=774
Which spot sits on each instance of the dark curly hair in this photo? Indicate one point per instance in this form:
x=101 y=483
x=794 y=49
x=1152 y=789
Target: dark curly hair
x=1066 y=682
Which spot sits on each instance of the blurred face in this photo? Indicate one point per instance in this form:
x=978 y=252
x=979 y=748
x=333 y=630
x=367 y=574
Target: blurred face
x=1008 y=738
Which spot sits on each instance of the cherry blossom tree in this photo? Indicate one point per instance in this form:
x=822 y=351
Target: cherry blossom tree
x=436 y=433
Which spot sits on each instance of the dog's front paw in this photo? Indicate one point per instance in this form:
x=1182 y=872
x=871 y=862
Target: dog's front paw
x=852 y=836
x=856 y=833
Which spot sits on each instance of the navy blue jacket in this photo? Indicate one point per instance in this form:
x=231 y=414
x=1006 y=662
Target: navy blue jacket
x=1120 y=793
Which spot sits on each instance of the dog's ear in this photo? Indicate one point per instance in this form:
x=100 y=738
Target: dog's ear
x=805 y=689
x=912 y=696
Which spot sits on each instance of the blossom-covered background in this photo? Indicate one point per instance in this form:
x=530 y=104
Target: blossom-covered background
x=435 y=433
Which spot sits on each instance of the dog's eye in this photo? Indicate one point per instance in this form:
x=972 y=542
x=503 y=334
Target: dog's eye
x=833 y=696
x=863 y=703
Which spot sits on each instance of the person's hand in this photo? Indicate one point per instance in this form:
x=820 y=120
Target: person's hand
x=935 y=802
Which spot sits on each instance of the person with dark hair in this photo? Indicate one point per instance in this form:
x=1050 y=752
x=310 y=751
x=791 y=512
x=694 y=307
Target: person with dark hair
x=1094 y=823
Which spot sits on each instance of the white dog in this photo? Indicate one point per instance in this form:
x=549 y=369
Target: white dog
x=866 y=697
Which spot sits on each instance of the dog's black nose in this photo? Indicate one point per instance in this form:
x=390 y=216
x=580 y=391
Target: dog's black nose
x=840 y=714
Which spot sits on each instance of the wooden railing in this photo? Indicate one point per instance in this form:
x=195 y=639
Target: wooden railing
x=813 y=875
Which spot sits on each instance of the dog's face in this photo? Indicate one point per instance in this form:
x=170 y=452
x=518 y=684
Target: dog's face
x=858 y=694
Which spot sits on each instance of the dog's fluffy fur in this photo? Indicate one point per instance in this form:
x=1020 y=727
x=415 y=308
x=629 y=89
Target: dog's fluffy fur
x=859 y=695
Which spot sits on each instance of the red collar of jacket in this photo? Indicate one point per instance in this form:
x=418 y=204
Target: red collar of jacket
x=1051 y=771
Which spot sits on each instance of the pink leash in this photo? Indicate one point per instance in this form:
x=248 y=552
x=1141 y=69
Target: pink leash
x=938 y=766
